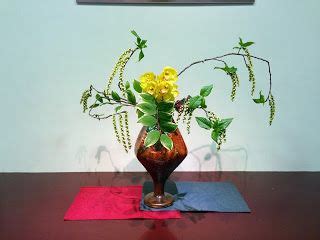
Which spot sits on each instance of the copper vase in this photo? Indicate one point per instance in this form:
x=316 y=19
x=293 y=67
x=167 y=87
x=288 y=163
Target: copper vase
x=160 y=163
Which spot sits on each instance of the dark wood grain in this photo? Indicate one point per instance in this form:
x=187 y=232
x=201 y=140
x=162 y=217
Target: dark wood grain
x=284 y=206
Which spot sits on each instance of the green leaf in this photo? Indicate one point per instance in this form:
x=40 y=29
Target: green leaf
x=227 y=69
x=165 y=106
x=118 y=108
x=240 y=41
x=244 y=44
x=166 y=141
x=115 y=96
x=141 y=55
x=195 y=102
x=142 y=44
x=204 y=122
x=231 y=70
x=261 y=99
x=136 y=86
x=147 y=120
x=203 y=103
x=247 y=44
x=206 y=90
x=99 y=98
x=135 y=33
x=147 y=108
x=164 y=116
x=131 y=97
x=127 y=86
x=94 y=105
x=224 y=123
x=215 y=135
x=139 y=113
x=152 y=138
x=147 y=97
x=168 y=126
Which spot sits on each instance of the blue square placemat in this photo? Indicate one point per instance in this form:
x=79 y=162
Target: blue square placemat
x=201 y=196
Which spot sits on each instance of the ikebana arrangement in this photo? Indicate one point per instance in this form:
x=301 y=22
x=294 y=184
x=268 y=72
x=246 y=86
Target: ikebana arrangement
x=160 y=146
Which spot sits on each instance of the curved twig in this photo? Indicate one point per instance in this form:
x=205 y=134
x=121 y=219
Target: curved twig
x=219 y=58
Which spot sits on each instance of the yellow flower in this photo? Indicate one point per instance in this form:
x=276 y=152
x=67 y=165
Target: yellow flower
x=147 y=78
x=150 y=87
x=163 y=86
x=166 y=91
x=168 y=74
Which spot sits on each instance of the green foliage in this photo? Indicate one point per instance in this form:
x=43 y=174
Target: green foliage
x=127 y=85
x=164 y=116
x=140 y=43
x=147 y=108
x=166 y=141
x=167 y=126
x=165 y=106
x=204 y=122
x=195 y=102
x=116 y=109
x=206 y=90
x=222 y=124
x=232 y=72
x=94 y=105
x=244 y=44
x=99 y=98
x=260 y=100
x=115 y=96
x=216 y=126
x=136 y=86
x=152 y=137
x=215 y=135
x=131 y=97
x=147 y=97
x=227 y=69
x=139 y=113
x=147 y=120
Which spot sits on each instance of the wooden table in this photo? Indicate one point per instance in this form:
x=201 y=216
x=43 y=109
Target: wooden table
x=284 y=206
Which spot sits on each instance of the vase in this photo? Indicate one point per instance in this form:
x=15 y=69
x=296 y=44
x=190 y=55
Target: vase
x=160 y=163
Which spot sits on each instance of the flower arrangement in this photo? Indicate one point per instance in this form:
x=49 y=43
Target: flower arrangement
x=158 y=107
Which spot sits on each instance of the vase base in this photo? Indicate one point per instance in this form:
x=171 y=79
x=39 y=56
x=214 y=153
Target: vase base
x=162 y=201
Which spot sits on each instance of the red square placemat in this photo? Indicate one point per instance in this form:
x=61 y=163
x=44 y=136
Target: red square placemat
x=93 y=203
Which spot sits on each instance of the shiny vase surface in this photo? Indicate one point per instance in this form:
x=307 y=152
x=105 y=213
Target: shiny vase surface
x=160 y=163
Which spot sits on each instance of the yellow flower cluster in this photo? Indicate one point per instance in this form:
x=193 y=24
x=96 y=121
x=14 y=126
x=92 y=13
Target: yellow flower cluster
x=163 y=86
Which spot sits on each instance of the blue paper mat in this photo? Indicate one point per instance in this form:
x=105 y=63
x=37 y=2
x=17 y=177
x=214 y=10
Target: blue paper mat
x=200 y=196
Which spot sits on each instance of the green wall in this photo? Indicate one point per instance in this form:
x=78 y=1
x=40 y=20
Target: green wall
x=51 y=50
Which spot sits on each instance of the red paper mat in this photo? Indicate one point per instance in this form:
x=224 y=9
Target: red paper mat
x=93 y=203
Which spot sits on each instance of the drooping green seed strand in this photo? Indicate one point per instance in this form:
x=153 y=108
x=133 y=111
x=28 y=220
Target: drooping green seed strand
x=115 y=127
x=123 y=63
x=250 y=70
x=252 y=79
x=84 y=99
x=272 y=109
x=119 y=65
x=123 y=138
x=237 y=79
x=126 y=122
x=248 y=56
x=189 y=121
x=185 y=111
x=234 y=80
x=180 y=112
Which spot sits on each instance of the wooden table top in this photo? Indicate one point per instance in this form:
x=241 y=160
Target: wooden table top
x=284 y=206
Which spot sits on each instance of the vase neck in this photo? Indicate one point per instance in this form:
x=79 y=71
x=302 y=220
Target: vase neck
x=158 y=188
